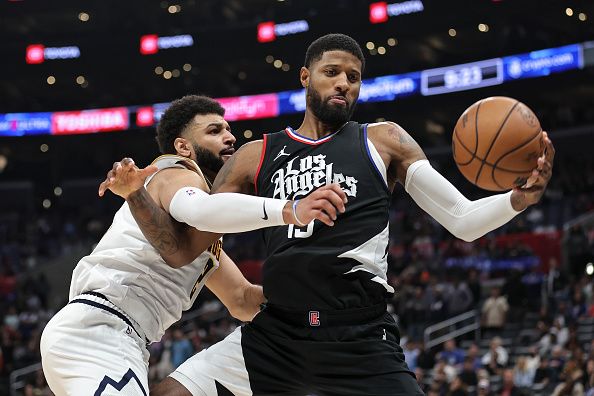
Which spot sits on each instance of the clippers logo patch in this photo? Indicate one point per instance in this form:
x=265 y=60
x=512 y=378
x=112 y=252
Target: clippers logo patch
x=314 y=318
x=190 y=192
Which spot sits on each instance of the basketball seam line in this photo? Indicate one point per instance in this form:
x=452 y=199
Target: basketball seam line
x=476 y=134
x=463 y=146
x=487 y=162
x=494 y=139
x=511 y=151
x=473 y=153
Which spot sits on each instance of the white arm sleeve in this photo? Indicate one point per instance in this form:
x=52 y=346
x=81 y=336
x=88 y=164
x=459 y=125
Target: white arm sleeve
x=465 y=219
x=225 y=212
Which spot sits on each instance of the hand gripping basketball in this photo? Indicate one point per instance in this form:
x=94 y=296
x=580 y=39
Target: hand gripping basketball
x=125 y=177
x=323 y=204
x=532 y=191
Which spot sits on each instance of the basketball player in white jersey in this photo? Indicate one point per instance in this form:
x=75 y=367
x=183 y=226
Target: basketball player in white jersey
x=124 y=295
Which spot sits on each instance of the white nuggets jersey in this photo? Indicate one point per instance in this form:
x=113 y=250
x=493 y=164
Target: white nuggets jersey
x=132 y=275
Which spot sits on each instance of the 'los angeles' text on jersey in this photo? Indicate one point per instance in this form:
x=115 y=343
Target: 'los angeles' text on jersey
x=301 y=176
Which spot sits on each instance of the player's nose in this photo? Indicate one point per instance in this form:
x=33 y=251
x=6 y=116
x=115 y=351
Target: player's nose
x=341 y=84
x=229 y=138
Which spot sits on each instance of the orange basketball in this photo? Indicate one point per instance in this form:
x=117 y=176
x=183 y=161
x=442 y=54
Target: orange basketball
x=497 y=142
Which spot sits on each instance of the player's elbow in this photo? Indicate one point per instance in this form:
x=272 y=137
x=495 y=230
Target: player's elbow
x=464 y=232
x=240 y=312
x=468 y=238
x=246 y=303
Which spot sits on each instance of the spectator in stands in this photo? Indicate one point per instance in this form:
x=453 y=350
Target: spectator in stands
x=572 y=385
x=420 y=374
x=473 y=354
x=524 y=372
x=160 y=358
x=457 y=388
x=515 y=294
x=459 y=297
x=509 y=388
x=415 y=313
x=578 y=248
x=496 y=357
x=590 y=378
x=560 y=332
x=426 y=359
x=557 y=361
x=474 y=285
x=445 y=371
x=37 y=386
x=545 y=338
x=578 y=304
x=453 y=355
x=468 y=374
x=437 y=304
x=483 y=388
x=555 y=283
x=411 y=353
x=181 y=348
x=494 y=311
x=543 y=375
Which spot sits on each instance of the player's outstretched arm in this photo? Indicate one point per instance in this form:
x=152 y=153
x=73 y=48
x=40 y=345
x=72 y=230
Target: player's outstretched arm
x=241 y=298
x=467 y=220
x=182 y=194
x=177 y=243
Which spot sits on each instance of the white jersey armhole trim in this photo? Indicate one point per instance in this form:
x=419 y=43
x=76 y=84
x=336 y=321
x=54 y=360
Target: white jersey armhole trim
x=377 y=160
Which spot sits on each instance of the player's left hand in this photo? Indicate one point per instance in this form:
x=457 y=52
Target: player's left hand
x=125 y=177
x=532 y=191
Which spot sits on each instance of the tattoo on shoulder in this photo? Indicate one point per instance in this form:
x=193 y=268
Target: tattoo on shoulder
x=399 y=134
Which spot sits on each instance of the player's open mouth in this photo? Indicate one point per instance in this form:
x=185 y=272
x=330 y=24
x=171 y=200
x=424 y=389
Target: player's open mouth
x=341 y=100
x=227 y=153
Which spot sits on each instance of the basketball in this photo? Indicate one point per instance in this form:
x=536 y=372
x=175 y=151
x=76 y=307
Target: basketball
x=497 y=142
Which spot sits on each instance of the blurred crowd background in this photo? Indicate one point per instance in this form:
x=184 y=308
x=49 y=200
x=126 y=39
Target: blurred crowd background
x=509 y=314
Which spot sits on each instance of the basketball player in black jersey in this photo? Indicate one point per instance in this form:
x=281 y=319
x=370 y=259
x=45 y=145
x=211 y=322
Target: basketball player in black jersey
x=325 y=329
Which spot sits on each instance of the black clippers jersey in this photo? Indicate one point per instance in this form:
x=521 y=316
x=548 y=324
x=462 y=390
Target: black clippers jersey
x=321 y=267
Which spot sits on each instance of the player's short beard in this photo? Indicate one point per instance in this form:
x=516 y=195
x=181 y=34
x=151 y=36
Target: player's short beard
x=332 y=115
x=206 y=160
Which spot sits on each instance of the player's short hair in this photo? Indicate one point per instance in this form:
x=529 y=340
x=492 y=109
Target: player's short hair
x=333 y=42
x=179 y=114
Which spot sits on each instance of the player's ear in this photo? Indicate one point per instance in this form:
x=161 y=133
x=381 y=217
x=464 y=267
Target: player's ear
x=304 y=76
x=183 y=147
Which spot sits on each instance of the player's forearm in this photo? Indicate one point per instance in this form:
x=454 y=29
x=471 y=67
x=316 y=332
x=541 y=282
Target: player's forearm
x=227 y=212
x=165 y=234
x=467 y=220
x=248 y=303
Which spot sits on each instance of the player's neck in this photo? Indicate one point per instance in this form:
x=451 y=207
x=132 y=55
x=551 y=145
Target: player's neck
x=209 y=175
x=315 y=129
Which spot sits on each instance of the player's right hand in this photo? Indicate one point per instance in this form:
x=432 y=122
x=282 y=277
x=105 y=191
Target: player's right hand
x=323 y=204
x=125 y=177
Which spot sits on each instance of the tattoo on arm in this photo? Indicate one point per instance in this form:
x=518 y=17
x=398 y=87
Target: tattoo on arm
x=159 y=228
x=406 y=151
x=403 y=138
